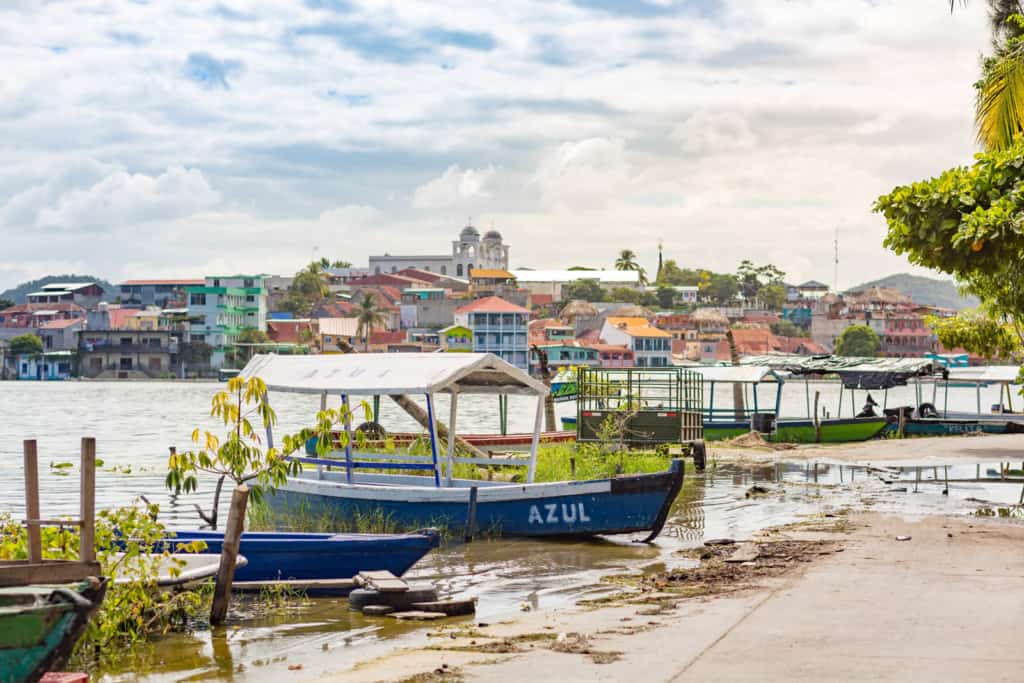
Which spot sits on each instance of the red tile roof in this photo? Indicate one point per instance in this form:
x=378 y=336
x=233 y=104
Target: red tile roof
x=491 y=304
x=396 y=337
x=61 y=324
x=416 y=273
x=334 y=309
x=755 y=340
x=287 y=331
x=542 y=299
x=119 y=317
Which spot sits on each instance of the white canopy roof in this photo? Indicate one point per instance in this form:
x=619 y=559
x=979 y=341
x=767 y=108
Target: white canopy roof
x=1006 y=374
x=743 y=374
x=369 y=374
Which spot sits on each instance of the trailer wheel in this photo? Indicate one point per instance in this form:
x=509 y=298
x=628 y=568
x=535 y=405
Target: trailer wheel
x=373 y=430
x=700 y=454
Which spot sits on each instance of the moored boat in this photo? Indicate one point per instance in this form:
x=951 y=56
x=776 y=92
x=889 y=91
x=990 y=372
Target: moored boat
x=833 y=430
x=274 y=556
x=435 y=497
x=40 y=624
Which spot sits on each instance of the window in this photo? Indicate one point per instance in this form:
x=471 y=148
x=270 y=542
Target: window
x=126 y=341
x=196 y=299
x=156 y=364
x=444 y=270
x=458 y=270
x=125 y=364
x=216 y=282
x=250 y=299
x=154 y=342
x=247 y=282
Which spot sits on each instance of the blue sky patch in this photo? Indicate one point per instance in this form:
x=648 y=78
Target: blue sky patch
x=210 y=72
x=483 y=42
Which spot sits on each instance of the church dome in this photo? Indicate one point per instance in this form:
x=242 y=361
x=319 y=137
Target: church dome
x=492 y=235
x=469 y=234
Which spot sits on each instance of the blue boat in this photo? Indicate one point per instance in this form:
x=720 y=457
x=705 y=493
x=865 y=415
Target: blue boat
x=425 y=492
x=275 y=556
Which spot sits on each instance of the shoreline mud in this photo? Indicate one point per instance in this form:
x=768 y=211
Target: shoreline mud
x=832 y=598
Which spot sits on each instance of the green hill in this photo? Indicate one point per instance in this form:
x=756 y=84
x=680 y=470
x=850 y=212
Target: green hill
x=923 y=290
x=19 y=293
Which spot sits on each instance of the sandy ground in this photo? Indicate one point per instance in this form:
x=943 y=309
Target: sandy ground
x=945 y=605
x=985 y=447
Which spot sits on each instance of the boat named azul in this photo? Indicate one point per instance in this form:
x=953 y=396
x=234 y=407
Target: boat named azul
x=337 y=487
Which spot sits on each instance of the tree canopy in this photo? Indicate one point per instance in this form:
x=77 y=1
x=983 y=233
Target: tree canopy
x=587 y=290
x=858 y=340
x=26 y=344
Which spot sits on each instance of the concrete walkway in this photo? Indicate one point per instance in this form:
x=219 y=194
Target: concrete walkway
x=932 y=608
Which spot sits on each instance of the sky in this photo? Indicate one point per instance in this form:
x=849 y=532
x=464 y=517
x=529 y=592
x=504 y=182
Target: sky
x=173 y=139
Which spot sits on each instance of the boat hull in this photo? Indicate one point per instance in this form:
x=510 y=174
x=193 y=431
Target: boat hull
x=802 y=431
x=274 y=556
x=944 y=427
x=39 y=637
x=578 y=508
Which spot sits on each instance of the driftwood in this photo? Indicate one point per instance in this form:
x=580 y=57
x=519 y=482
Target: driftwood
x=420 y=415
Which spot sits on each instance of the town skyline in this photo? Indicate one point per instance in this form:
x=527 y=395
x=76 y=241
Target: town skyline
x=240 y=138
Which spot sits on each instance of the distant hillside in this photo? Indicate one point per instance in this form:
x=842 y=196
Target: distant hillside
x=18 y=294
x=923 y=290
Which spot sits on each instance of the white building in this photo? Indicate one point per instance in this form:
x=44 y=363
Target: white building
x=498 y=327
x=652 y=347
x=468 y=252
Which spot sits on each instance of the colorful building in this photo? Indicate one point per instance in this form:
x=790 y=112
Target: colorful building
x=224 y=306
x=498 y=327
x=651 y=347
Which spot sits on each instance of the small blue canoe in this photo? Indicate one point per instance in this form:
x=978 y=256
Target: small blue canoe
x=277 y=556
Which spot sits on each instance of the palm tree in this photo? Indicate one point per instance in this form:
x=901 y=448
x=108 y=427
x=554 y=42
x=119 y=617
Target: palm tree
x=999 y=102
x=627 y=261
x=368 y=316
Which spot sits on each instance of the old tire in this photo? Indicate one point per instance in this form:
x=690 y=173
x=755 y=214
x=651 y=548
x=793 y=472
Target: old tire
x=361 y=597
x=700 y=454
x=372 y=430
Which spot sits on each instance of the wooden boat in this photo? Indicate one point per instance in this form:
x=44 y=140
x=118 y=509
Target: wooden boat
x=337 y=488
x=184 y=571
x=40 y=624
x=833 y=430
x=274 y=556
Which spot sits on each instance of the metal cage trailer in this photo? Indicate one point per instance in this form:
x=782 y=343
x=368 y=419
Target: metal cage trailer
x=649 y=406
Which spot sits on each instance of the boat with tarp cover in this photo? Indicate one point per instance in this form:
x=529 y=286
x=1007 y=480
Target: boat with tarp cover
x=416 y=491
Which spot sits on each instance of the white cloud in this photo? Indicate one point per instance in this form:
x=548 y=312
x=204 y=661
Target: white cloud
x=711 y=132
x=583 y=173
x=116 y=199
x=454 y=187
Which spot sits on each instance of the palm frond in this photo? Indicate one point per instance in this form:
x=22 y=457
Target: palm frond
x=999 y=107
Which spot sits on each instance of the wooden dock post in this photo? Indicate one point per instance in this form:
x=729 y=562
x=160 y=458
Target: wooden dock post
x=35 y=543
x=87 y=538
x=228 y=555
x=817 y=421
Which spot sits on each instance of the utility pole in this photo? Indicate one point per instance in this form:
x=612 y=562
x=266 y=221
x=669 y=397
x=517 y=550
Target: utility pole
x=835 y=271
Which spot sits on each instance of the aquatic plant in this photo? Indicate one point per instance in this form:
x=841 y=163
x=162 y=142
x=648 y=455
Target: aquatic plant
x=130 y=553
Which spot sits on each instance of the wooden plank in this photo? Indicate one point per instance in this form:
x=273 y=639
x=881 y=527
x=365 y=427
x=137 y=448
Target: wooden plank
x=31 y=461
x=451 y=608
x=87 y=483
x=20 y=573
x=416 y=616
x=383 y=581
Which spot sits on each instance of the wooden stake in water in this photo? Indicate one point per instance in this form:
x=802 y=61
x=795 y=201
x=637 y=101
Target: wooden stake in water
x=229 y=554
x=35 y=543
x=87 y=539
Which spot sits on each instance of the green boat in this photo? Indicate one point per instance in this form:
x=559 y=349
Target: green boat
x=840 y=430
x=40 y=624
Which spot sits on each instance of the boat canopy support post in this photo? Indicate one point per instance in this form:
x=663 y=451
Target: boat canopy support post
x=977 y=394
x=885 y=399
x=535 y=442
x=348 y=438
x=451 y=439
x=945 y=399
x=432 y=431
x=778 y=399
x=376 y=408
x=807 y=396
x=711 y=402
x=754 y=391
x=323 y=407
x=842 y=391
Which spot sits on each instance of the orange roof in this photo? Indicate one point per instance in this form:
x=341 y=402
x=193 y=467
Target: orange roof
x=490 y=273
x=491 y=304
x=637 y=327
x=542 y=299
